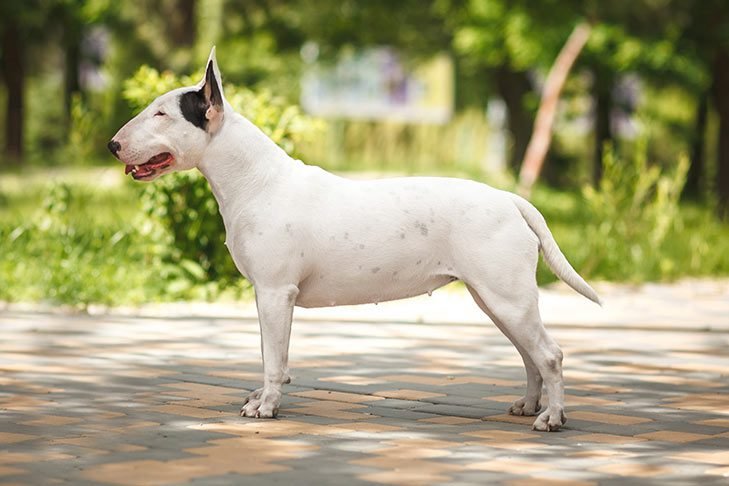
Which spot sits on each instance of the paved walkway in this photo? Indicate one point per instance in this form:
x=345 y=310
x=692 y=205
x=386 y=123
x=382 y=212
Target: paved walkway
x=413 y=393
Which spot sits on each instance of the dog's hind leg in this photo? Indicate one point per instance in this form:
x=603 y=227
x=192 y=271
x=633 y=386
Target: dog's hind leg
x=275 y=311
x=501 y=279
x=517 y=313
x=528 y=404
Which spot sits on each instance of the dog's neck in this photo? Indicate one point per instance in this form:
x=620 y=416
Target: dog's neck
x=241 y=162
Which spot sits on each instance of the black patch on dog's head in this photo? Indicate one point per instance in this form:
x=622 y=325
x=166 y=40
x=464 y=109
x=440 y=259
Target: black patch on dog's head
x=193 y=106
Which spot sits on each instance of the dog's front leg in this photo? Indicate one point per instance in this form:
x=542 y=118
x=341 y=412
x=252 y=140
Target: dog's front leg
x=275 y=311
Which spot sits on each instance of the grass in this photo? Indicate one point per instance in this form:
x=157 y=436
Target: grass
x=79 y=236
x=696 y=243
x=71 y=237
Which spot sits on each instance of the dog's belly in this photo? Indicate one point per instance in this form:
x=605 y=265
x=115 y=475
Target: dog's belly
x=323 y=291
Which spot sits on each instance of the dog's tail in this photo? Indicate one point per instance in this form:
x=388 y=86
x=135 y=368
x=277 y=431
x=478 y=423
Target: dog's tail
x=551 y=252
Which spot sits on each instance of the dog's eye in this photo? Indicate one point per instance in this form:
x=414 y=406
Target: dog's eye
x=160 y=113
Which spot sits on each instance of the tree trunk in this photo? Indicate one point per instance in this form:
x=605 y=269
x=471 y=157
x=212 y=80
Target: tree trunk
x=542 y=134
x=72 y=48
x=695 y=176
x=13 y=77
x=603 y=99
x=721 y=99
x=513 y=86
x=182 y=23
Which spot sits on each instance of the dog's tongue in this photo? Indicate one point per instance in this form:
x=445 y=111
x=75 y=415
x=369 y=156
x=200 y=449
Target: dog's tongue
x=159 y=161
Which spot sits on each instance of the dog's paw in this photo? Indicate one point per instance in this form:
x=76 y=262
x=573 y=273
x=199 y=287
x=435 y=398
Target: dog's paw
x=551 y=420
x=254 y=395
x=525 y=406
x=261 y=403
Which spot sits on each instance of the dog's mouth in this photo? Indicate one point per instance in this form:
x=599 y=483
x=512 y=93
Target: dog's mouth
x=150 y=168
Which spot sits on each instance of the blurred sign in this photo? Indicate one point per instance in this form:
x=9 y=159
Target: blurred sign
x=375 y=84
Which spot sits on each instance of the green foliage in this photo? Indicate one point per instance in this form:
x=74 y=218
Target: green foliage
x=632 y=227
x=148 y=83
x=84 y=137
x=192 y=230
x=514 y=34
x=695 y=245
x=635 y=202
x=183 y=204
x=614 y=46
x=58 y=250
x=677 y=111
x=79 y=242
x=500 y=33
x=44 y=130
x=265 y=66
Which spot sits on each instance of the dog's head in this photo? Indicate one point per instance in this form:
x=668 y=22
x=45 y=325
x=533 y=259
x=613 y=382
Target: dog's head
x=172 y=132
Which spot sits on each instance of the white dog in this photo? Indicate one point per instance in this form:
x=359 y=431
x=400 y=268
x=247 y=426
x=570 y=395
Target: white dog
x=305 y=237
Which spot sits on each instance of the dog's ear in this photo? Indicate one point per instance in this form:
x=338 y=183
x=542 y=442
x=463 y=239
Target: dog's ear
x=212 y=91
x=203 y=106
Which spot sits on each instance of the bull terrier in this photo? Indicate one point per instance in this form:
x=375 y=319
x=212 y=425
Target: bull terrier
x=305 y=237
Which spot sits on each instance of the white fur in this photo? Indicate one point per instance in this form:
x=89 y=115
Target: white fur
x=305 y=237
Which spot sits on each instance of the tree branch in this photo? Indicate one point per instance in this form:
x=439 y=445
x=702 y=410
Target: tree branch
x=542 y=133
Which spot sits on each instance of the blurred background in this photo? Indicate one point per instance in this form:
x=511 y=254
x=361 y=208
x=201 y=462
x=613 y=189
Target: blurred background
x=635 y=184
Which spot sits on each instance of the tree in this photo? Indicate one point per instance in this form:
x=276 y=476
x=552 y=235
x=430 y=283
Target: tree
x=710 y=32
x=73 y=29
x=641 y=38
x=695 y=178
x=514 y=41
x=542 y=134
x=720 y=75
x=25 y=29
x=13 y=74
x=21 y=26
x=686 y=41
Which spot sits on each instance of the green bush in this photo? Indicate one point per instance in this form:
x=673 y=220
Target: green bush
x=632 y=227
x=633 y=211
x=60 y=250
x=84 y=137
x=183 y=204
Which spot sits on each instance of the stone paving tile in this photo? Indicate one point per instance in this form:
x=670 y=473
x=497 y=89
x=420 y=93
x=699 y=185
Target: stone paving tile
x=126 y=400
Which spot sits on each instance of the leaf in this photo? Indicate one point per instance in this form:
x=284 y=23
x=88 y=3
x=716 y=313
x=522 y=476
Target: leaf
x=194 y=269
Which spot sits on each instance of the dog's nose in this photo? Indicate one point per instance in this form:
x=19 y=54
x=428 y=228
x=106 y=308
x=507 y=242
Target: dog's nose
x=114 y=147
